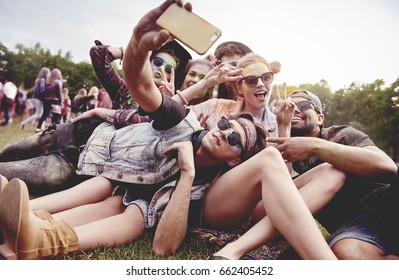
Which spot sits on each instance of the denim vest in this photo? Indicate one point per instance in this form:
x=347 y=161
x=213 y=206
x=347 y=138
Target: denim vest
x=134 y=154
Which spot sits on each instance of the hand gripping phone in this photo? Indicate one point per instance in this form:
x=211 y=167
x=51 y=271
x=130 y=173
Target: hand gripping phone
x=192 y=30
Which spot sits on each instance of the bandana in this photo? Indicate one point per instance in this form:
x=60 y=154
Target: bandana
x=251 y=135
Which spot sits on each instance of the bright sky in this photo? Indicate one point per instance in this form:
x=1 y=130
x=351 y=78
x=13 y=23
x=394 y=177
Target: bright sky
x=341 y=41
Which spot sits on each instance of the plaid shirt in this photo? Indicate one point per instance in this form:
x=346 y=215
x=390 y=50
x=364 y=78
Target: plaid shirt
x=124 y=118
x=122 y=101
x=101 y=59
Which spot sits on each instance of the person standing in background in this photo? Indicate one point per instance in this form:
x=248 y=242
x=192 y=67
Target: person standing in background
x=66 y=106
x=10 y=91
x=93 y=101
x=77 y=106
x=20 y=105
x=42 y=80
x=52 y=99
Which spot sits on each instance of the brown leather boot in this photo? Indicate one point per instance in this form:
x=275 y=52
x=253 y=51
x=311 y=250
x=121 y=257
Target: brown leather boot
x=26 y=236
x=43 y=214
x=3 y=183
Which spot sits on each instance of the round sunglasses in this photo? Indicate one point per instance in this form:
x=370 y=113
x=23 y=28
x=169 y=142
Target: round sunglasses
x=252 y=81
x=159 y=62
x=233 y=139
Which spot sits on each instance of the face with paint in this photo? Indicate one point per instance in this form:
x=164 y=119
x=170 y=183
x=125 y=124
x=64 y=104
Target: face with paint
x=197 y=70
x=306 y=120
x=161 y=65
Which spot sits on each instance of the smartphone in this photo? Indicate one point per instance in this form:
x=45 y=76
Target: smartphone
x=190 y=29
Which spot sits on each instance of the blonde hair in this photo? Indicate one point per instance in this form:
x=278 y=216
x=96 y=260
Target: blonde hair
x=55 y=75
x=93 y=91
x=81 y=93
x=44 y=73
x=252 y=58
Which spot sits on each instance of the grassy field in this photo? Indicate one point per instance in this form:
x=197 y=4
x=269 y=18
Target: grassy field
x=192 y=248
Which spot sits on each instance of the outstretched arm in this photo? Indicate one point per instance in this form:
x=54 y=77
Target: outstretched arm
x=172 y=226
x=368 y=161
x=146 y=37
x=107 y=115
x=217 y=75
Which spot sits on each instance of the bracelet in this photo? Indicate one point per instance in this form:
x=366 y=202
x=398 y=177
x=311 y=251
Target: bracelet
x=120 y=62
x=185 y=102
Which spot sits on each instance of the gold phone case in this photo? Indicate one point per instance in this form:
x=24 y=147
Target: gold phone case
x=192 y=30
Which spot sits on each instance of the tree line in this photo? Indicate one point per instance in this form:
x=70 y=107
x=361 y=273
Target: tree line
x=22 y=67
x=372 y=108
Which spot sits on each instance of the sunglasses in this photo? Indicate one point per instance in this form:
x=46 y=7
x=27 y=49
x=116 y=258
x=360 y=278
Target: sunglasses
x=252 y=81
x=306 y=105
x=158 y=62
x=233 y=139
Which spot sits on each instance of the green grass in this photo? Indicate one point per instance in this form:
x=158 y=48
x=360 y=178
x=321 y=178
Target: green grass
x=140 y=249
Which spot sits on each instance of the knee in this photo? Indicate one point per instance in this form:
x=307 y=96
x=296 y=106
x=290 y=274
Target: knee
x=271 y=152
x=334 y=175
x=104 y=186
x=344 y=250
x=354 y=249
x=268 y=156
x=114 y=203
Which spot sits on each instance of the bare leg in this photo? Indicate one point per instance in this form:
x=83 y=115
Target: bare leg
x=90 y=191
x=29 y=237
x=354 y=249
x=266 y=176
x=92 y=212
x=317 y=187
x=112 y=231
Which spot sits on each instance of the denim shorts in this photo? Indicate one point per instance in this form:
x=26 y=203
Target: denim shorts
x=366 y=227
x=194 y=212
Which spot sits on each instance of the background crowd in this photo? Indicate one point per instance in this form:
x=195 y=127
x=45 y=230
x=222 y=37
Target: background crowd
x=48 y=101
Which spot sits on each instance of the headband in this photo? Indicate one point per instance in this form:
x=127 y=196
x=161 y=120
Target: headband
x=250 y=132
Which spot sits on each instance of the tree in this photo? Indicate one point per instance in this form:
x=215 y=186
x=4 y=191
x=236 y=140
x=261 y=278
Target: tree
x=372 y=109
x=22 y=67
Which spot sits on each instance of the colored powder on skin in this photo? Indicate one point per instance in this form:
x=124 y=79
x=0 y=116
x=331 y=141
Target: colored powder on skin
x=309 y=123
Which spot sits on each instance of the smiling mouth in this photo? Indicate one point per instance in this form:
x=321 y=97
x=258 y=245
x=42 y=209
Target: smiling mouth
x=296 y=119
x=261 y=94
x=216 y=139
